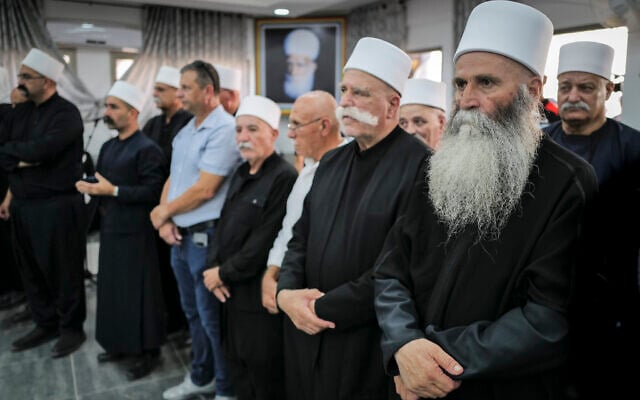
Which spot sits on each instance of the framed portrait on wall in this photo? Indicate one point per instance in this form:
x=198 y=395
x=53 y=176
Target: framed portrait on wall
x=296 y=56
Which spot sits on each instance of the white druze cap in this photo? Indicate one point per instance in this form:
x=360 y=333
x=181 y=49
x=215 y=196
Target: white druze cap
x=169 y=76
x=302 y=41
x=593 y=57
x=425 y=92
x=127 y=93
x=260 y=107
x=42 y=62
x=230 y=79
x=382 y=60
x=511 y=29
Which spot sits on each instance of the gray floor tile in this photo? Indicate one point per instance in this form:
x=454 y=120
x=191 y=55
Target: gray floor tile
x=43 y=379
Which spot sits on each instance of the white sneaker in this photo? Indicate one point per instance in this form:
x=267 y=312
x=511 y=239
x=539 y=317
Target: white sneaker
x=187 y=389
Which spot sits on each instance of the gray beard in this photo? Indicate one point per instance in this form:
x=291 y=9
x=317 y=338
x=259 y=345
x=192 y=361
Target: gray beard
x=479 y=172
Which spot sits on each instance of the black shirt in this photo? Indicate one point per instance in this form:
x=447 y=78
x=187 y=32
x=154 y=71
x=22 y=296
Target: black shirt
x=249 y=223
x=48 y=135
x=163 y=133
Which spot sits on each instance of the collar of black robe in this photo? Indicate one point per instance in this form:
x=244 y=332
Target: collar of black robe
x=245 y=167
x=379 y=148
x=48 y=101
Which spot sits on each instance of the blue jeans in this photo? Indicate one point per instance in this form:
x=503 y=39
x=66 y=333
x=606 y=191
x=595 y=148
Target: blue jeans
x=203 y=312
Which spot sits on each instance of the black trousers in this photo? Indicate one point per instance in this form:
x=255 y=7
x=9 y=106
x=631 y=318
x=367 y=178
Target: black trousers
x=50 y=246
x=176 y=320
x=254 y=348
x=9 y=275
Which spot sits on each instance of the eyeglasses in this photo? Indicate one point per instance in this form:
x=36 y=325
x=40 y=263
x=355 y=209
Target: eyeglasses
x=27 y=77
x=295 y=127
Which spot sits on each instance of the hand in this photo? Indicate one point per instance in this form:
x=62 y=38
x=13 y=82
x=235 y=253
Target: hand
x=402 y=391
x=222 y=293
x=299 y=305
x=170 y=234
x=269 y=287
x=102 y=188
x=212 y=278
x=421 y=363
x=159 y=215
x=4 y=207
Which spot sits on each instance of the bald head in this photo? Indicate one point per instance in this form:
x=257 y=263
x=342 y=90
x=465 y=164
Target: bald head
x=313 y=125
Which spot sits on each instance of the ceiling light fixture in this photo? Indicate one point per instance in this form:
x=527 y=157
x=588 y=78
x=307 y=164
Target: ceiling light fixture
x=281 y=11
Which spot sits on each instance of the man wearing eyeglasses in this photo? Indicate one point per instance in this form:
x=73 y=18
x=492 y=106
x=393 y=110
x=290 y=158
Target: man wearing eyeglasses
x=204 y=155
x=314 y=129
x=41 y=148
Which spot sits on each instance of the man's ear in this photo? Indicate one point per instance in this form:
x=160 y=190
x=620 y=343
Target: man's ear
x=534 y=86
x=609 y=86
x=394 y=103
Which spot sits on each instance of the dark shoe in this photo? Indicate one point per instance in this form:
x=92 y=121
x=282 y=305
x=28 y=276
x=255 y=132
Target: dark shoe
x=109 y=357
x=68 y=343
x=142 y=366
x=11 y=300
x=36 y=337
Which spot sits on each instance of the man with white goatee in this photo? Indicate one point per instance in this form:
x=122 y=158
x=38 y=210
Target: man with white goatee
x=474 y=283
x=358 y=191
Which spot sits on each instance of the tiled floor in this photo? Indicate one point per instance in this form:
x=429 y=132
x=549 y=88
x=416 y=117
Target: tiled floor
x=34 y=375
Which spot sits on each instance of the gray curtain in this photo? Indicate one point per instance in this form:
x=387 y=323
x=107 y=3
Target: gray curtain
x=176 y=36
x=22 y=28
x=462 y=9
x=384 y=20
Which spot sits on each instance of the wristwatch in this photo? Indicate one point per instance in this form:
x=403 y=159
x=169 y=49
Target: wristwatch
x=115 y=191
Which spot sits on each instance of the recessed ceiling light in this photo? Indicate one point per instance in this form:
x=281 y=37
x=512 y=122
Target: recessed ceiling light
x=86 y=26
x=281 y=11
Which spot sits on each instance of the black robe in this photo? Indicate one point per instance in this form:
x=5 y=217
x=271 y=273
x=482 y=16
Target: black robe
x=499 y=307
x=130 y=310
x=612 y=308
x=249 y=223
x=354 y=200
x=48 y=215
x=162 y=133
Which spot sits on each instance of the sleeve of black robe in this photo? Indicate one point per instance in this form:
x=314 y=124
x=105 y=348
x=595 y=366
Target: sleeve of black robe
x=151 y=172
x=524 y=340
x=250 y=260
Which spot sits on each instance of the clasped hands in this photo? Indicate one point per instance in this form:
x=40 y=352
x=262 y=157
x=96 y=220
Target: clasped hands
x=215 y=285
x=422 y=364
x=299 y=305
x=101 y=188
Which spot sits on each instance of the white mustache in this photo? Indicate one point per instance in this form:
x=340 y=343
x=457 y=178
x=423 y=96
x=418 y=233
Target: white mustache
x=581 y=105
x=245 y=145
x=156 y=100
x=357 y=114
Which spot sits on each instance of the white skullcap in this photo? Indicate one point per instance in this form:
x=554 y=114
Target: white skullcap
x=169 y=76
x=382 y=60
x=230 y=79
x=511 y=29
x=260 y=107
x=592 y=57
x=425 y=92
x=302 y=41
x=127 y=93
x=48 y=66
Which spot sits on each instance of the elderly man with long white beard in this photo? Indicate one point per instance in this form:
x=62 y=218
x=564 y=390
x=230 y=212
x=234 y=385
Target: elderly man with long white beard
x=474 y=283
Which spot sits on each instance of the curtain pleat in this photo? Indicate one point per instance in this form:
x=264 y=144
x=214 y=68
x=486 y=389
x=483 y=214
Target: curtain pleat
x=177 y=36
x=23 y=28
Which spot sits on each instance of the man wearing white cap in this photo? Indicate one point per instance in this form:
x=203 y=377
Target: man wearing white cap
x=325 y=285
x=230 y=87
x=250 y=220
x=422 y=110
x=204 y=155
x=41 y=148
x=129 y=178
x=315 y=130
x=474 y=283
x=612 y=317
x=164 y=127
